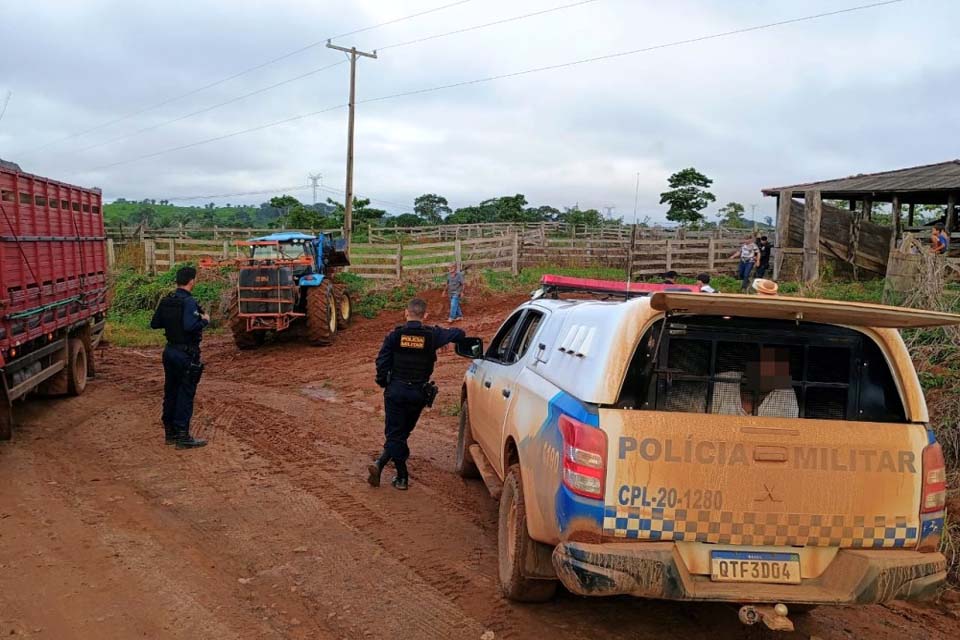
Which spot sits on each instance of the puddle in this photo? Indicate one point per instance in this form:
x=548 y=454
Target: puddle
x=320 y=393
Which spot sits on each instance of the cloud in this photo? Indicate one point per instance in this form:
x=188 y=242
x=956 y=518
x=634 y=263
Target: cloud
x=852 y=93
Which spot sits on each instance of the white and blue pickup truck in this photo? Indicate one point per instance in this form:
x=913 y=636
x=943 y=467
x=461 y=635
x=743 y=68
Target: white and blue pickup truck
x=768 y=451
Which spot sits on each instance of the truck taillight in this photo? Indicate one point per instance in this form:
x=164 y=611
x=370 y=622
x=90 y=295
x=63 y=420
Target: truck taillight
x=584 y=458
x=933 y=496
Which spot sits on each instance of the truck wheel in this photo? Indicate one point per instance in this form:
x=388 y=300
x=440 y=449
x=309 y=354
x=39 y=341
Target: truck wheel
x=76 y=366
x=514 y=544
x=344 y=306
x=6 y=418
x=238 y=326
x=321 y=315
x=464 y=465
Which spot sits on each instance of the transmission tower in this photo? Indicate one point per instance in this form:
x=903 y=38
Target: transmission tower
x=315 y=179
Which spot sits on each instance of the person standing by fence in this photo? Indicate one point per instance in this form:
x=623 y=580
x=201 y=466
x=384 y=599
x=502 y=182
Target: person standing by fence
x=939 y=239
x=764 y=264
x=454 y=291
x=749 y=255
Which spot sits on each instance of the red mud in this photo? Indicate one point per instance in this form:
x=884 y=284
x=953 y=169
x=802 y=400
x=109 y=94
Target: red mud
x=271 y=531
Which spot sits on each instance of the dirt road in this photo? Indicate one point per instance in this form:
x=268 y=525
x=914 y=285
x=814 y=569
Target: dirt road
x=271 y=531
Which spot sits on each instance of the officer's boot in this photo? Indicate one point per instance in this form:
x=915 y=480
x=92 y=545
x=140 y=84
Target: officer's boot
x=376 y=468
x=169 y=434
x=402 y=480
x=186 y=441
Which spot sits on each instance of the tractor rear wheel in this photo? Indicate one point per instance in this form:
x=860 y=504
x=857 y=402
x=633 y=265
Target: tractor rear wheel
x=321 y=315
x=238 y=326
x=344 y=306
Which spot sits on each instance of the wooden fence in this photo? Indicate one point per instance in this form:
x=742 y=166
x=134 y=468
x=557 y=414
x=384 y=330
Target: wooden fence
x=450 y=232
x=424 y=260
x=140 y=233
x=637 y=255
x=160 y=254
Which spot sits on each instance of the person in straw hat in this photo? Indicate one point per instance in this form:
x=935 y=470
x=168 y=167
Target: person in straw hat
x=765 y=287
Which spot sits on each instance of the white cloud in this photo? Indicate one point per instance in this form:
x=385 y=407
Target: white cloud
x=863 y=91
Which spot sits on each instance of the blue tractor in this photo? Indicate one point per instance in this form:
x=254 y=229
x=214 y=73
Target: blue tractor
x=285 y=283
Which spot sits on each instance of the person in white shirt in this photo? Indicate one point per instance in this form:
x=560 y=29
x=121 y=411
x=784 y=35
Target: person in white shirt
x=749 y=254
x=704 y=280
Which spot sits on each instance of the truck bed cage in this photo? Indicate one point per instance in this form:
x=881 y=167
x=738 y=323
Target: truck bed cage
x=552 y=286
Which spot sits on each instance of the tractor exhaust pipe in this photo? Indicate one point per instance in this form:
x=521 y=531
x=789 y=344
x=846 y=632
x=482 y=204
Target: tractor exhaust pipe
x=775 y=617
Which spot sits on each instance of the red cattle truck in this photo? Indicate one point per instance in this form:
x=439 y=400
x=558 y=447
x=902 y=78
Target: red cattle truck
x=53 y=287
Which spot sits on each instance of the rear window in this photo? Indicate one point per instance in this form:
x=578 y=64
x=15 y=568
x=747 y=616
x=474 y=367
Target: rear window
x=742 y=366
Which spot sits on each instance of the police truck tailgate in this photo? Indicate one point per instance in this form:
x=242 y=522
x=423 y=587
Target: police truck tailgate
x=760 y=481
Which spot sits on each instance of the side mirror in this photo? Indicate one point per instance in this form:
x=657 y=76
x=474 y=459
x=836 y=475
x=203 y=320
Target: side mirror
x=470 y=348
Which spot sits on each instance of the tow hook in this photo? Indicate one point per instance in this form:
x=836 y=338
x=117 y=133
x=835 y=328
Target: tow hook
x=775 y=617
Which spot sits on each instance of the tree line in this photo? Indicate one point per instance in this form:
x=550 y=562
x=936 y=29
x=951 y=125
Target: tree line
x=687 y=198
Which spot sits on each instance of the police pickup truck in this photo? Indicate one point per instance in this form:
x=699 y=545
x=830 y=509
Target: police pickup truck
x=663 y=443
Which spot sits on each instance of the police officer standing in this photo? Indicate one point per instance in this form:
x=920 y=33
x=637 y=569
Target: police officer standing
x=404 y=366
x=183 y=321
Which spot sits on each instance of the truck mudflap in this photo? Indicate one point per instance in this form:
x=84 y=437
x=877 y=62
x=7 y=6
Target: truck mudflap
x=656 y=570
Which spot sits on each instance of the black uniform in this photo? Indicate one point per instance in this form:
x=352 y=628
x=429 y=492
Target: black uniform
x=404 y=366
x=764 y=265
x=180 y=316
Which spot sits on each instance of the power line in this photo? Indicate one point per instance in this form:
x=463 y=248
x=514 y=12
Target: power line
x=6 y=101
x=218 y=138
x=358 y=196
x=515 y=74
x=318 y=70
x=485 y=25
x=210 y=108
x=239 y=74
x=238 y=194
x=621 y=54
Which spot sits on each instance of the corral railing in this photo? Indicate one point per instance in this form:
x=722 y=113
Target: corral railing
x=449 y=232
x=640 y=252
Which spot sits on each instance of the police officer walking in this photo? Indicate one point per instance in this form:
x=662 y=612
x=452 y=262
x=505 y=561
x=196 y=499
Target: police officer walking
x=404 y=366
x=183 y=321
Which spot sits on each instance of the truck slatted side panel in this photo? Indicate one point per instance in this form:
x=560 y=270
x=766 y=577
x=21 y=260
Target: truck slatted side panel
x=53 y=261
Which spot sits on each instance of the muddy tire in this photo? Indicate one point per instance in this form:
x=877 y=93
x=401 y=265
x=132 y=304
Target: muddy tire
x=464 y=465
x=238 y=326
x=514 y=544
x=801 y=609
x=344 y=306
x=6 y=419
x=76 y=366
x=321 y=315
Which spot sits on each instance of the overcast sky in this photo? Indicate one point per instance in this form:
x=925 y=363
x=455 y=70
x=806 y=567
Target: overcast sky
x=864 y=91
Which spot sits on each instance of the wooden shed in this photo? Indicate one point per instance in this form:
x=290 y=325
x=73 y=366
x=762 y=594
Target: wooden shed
x=811 y=230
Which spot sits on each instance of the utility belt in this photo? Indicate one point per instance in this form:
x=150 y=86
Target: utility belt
x=189 y=349
x=429 y=389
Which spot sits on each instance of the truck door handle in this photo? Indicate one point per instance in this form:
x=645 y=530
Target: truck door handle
x=506 y=393
x=487 y=384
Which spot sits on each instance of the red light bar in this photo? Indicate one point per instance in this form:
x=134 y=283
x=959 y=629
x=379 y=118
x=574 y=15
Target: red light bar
x=627 y=289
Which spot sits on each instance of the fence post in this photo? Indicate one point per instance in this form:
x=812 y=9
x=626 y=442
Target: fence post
x=111 y=255
x=457 y=252
x=630 y=250
x=399 y=256
x=149 y=256
x=669 y=254
x=216 y=232
x=711 y=254
x=515 y=267
x=226 y=249
x=173 y=252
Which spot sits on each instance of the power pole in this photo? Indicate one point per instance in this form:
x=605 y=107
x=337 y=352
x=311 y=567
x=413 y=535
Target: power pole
x=348 y=204
x=315 y=179
x=636 y=200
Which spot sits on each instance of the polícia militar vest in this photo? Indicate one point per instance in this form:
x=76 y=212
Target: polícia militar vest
x=170 y=310
x=414 y=355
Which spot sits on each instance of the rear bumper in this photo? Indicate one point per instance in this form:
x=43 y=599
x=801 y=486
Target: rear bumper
x=655 y=570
